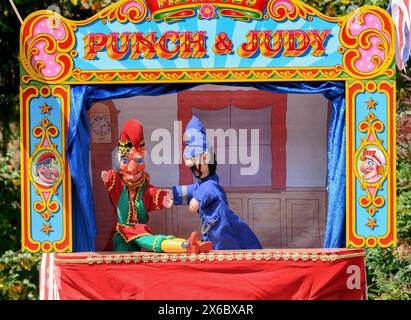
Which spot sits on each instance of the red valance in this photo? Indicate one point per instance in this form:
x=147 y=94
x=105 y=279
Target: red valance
x=219 y=275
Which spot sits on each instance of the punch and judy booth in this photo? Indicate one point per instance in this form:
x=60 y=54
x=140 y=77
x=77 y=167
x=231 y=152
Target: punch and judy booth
x=313 y=96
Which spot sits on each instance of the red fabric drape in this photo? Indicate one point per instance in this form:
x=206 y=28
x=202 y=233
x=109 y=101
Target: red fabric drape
x=288 y=277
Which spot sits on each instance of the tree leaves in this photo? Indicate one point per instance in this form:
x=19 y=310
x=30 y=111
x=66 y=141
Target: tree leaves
x=19 y=275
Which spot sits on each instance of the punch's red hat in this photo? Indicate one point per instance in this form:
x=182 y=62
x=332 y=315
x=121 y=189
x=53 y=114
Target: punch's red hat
x=131 y=135
x=45 y=156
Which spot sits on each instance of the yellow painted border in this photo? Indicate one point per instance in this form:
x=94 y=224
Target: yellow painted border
x=391 y=136
x=25 y=184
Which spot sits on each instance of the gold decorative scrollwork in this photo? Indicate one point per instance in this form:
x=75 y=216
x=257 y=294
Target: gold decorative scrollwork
x=367 y=38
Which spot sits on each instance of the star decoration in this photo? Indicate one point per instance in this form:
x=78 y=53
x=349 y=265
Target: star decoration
x=45 y=108
x=371 y=104
x=372 y=223
x=46 y=228
x=46 y=215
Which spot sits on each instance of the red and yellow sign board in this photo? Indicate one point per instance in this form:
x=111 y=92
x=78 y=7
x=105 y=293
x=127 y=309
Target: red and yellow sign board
x=175 y=10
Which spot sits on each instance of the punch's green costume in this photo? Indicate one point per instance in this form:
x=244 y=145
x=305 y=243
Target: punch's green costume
x=132 y=207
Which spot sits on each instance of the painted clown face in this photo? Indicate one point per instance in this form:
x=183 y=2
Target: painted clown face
x=132 y=166
x=369 y=170
x=47 y=174
x=372 y=167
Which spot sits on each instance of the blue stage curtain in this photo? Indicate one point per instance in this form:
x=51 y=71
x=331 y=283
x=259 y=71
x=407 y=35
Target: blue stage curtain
x=78 y=145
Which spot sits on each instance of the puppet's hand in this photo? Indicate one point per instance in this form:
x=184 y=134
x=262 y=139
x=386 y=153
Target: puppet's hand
x=168 y=199
x=104 y=176
x=194 y=205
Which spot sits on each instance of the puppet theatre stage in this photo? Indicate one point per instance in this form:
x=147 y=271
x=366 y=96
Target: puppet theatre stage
x=134 y=48
x=276 y=274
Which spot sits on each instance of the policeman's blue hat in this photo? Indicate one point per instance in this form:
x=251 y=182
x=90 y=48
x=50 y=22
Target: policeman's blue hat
x=195 y=138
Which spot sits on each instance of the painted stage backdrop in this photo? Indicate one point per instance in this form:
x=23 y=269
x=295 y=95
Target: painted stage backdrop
x=177 y=41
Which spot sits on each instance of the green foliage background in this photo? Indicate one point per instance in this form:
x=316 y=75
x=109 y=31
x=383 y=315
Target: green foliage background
x=388 y=270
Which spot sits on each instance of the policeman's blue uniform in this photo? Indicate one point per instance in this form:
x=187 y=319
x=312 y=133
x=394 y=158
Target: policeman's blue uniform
x=219 y=224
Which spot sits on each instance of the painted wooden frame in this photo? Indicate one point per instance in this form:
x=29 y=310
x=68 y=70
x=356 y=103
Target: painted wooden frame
x=193 y=41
